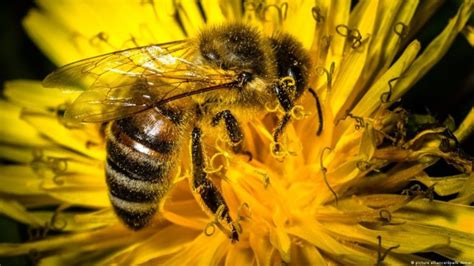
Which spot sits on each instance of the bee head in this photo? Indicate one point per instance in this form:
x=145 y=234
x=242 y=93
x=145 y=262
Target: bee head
x=237 y=47
x=293 y=66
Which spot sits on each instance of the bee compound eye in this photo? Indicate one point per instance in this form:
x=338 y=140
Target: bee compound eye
x=244 y=77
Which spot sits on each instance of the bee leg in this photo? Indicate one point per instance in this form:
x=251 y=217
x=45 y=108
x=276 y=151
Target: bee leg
x=286 y=103
x=233 y=131
x=209 y=194
x=279 y=131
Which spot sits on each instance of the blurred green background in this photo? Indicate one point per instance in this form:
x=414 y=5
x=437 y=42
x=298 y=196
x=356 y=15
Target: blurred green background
x=448 y=89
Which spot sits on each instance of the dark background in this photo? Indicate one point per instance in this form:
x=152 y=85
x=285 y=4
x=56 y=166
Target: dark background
x=448 y=89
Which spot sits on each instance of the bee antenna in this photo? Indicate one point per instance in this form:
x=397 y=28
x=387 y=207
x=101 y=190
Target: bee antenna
x=320 y=111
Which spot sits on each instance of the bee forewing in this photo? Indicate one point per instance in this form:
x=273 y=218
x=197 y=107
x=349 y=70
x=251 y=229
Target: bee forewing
x=122 y=83
x=100 y=105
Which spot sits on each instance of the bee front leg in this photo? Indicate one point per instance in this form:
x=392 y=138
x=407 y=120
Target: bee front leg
x=207 y=192
x=286 y=103
x=233 y=131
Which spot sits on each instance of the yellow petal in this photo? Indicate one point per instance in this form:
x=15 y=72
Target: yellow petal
x=87 y=241
x=304 y=254
x=190 y=16
x=444 y=186
x=204 y=250
x=299 y=22
x=31 y=94
x=468 y=32
x=435 y=50
x=394 y=41
x=466 y=128
x=409 y=242
x=281 y=242
x=338 y=14
x=20 y=179
x=424 y=12
x=372 y=99
x=214 y=12
x=17 y=131
x=16 y=211
x=59 y=49
x=346 y=87
x=313 y=233
x=239 y=256
x=76 y=139
x=452 y=216
x=166 y=241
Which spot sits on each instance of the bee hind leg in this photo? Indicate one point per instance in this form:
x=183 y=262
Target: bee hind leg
x=233 y=131
x=207 y=192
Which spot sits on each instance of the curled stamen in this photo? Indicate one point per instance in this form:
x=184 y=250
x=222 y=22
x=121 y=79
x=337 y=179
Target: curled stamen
x=385 y=97
x=266 y=178
x=325 y=44
x=381 y=256
x=401 y=29
x=58 y=165
x=429 y=193
x=213 y=169
x=297 y=112
x=56 y=223
x=356 y=39
x=321 y=71
x=211 y=225
x=359 y=121
x=216 y=223
x=37 y=233
x=272 y=109
x=289 y=84
x=251 y=5
x=101 y=37
x=324 y=171
x=385 y=216
x=363 y=165
x=282 y=11
x=414 y=190
x=343 y=30
x=243 y=217
x=316 y=12
x=41 y=163
x=353 y=36
x=59 y=180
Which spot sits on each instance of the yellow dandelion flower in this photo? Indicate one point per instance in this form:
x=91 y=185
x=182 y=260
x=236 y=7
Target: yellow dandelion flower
x=334 y=188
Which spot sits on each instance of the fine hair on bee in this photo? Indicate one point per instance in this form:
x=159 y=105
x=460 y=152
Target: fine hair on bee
x=157 y=97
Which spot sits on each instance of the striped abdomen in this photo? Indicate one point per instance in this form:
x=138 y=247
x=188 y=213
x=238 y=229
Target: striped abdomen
x=141 y=155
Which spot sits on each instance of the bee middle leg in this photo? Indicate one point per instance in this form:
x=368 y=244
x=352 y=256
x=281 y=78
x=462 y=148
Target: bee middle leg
x=233 y=131
x=206 y=190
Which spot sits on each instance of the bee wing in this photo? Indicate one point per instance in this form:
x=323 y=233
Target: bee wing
x=122 y=83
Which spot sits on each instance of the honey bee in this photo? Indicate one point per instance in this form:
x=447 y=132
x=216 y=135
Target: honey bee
x=156 y=97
